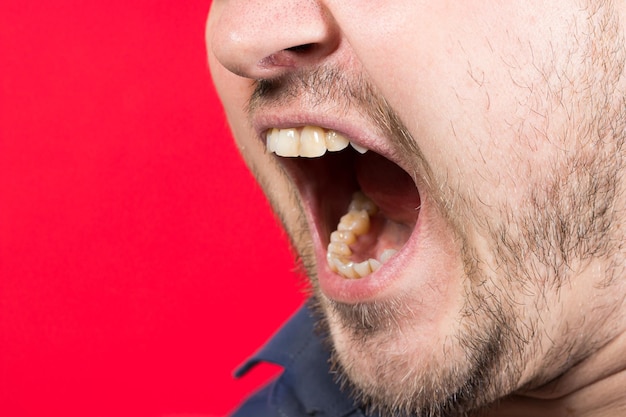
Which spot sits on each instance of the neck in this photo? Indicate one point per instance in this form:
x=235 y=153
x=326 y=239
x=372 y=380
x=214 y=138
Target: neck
x=594 y=387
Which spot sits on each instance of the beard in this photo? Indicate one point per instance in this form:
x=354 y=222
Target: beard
x=564 y=223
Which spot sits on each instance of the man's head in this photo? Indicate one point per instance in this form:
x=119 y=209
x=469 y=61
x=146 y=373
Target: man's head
x=481 y=249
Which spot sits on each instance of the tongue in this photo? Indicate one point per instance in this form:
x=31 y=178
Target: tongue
x=389 y=187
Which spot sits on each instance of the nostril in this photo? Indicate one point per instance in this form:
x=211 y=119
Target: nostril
x=288 y=57
x=301 y=48
x=292 y=57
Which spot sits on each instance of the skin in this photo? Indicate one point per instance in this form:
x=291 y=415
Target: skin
x=510 y=118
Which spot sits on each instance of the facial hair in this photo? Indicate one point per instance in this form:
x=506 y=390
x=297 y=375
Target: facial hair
x=567 y=222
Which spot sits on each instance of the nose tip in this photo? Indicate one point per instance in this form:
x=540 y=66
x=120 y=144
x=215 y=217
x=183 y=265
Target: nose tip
x=263 y=39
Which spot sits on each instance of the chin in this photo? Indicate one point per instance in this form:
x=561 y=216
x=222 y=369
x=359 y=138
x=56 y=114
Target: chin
x=396 y=363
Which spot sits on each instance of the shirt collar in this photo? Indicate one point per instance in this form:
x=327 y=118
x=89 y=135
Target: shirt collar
x=298 y=349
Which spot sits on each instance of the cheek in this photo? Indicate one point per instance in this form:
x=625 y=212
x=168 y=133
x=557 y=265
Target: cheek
x=234 y=93
x=444 y=70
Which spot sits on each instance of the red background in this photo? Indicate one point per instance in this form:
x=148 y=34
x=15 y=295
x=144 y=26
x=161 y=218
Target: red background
x=139 y=262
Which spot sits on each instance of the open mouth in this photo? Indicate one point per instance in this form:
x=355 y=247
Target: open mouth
x=365 y=207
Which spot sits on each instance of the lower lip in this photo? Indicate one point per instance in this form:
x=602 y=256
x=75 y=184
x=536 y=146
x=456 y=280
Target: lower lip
x=369 y=288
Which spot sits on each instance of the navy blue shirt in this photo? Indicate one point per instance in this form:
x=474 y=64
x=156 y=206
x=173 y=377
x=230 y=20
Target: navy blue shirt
x=306 y=386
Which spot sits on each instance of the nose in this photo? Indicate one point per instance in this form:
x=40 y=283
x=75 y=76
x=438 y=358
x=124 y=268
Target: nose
x=263 y=39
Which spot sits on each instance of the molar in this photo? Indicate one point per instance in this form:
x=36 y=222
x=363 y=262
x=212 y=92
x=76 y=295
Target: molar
x=355 y=223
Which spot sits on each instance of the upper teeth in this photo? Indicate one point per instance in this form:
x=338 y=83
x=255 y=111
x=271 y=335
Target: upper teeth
x=308 y=141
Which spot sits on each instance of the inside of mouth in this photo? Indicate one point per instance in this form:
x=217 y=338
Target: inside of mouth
x=368 y=205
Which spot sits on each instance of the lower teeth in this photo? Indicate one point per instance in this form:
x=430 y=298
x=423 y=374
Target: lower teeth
x=353 y=224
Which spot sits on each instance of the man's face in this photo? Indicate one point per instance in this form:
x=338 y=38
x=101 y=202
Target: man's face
x=479 y=250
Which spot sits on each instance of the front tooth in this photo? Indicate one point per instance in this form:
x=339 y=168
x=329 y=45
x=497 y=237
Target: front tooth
x=272 y=140
x=359 y=148
x=335 y=141
x=312 y=143
x=288 y=142
x=308 y=142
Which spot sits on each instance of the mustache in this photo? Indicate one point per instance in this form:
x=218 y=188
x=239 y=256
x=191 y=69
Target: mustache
x=316 y=86
x=343 y=91
x=328 y=86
